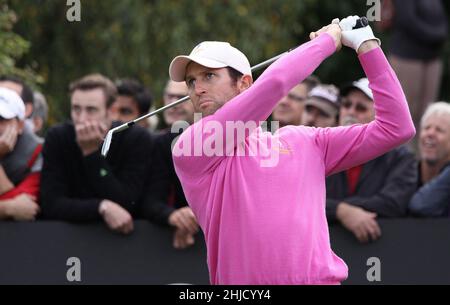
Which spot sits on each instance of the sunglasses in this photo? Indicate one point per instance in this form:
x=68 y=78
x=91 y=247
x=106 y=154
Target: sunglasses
x=358 y=106
x=171 y=96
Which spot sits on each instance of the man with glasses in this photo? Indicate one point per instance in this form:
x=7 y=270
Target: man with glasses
x=182 y=112
x=290 y=108
x=164 y=202
x=379 y=188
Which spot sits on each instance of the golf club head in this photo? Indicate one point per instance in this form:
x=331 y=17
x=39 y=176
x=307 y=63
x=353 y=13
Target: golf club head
x=107 y=142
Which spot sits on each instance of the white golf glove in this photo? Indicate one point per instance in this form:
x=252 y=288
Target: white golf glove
x=354 y=38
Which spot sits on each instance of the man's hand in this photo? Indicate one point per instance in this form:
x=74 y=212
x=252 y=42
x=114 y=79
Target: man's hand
x=90 y=136
x=333 y=30
x=355 y=38
x=361 y=223
x=184 y=219
x=5 y=184
x=117 y=218
x=22 y=208
x=8 y=139
x=182 y=239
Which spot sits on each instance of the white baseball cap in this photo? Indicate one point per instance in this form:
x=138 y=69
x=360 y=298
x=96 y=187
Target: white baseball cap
x=324 y=97
x=362 y=84
x=11 y=105
x=211 y=54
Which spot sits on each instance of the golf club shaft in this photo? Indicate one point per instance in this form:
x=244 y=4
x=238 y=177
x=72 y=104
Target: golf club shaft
x=108 y=139
x=362 y=22
x=186 y=98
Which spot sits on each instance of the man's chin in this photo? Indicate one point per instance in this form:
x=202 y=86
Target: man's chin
x=430 y=160
x=207 y=111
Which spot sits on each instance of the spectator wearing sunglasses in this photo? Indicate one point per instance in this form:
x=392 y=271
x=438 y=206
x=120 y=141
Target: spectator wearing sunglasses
x=356 y=198
x=289 y=109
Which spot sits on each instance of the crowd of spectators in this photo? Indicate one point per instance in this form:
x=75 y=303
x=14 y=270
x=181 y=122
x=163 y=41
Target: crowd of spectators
x=58 y=173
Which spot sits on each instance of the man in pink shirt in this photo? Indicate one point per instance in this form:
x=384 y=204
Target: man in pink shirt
x=264 y=219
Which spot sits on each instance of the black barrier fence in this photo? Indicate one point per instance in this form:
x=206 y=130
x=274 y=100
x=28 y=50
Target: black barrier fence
x=411 y=251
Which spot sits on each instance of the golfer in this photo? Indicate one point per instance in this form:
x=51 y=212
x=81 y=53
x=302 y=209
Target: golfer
x=266 y=224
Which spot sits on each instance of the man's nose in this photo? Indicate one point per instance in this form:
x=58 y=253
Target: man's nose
x=351 y=111
x=200 y=88
x=82 y=117
x=311 y=119
x=430 y=132
x=284 y=101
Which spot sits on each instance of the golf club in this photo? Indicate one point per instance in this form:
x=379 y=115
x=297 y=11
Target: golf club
x=362 y=22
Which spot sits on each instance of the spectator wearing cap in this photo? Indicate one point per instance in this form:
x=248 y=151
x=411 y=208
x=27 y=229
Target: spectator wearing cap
x=164 y=202
x=22 y=89
x=322 y=107
x=133 y=100
x=380 y=188
x=20 y=161
x=432 y=198
x=289 y=110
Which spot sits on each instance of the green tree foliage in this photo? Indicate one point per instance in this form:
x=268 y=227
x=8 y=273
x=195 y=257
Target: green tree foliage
x=13 y=47
x=138 y=38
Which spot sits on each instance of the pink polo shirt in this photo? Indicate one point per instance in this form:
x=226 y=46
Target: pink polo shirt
x=265 y=223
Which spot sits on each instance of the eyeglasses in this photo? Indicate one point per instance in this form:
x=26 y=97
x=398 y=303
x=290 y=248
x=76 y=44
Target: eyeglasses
x=171 y=96
x=296 y=97
x=347 y=104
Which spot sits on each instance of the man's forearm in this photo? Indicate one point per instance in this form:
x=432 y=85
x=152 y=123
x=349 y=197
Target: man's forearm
x=341 y=210
x=368 y=46
x=70 y=209
x=106 y=183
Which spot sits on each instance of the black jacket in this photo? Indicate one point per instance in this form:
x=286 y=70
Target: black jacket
x=72 y=186
x=162 y=183
x=385 y=186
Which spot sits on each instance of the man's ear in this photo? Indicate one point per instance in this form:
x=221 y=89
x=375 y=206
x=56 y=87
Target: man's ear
x=245 y=82
x=28 y=109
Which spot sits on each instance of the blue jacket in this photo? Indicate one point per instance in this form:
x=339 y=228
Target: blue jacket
x=433 y=199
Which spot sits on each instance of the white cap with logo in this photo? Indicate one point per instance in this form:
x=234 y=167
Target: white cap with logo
x=325 y=98
x=11 y=105
x=362 y=84
x=211 y=54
